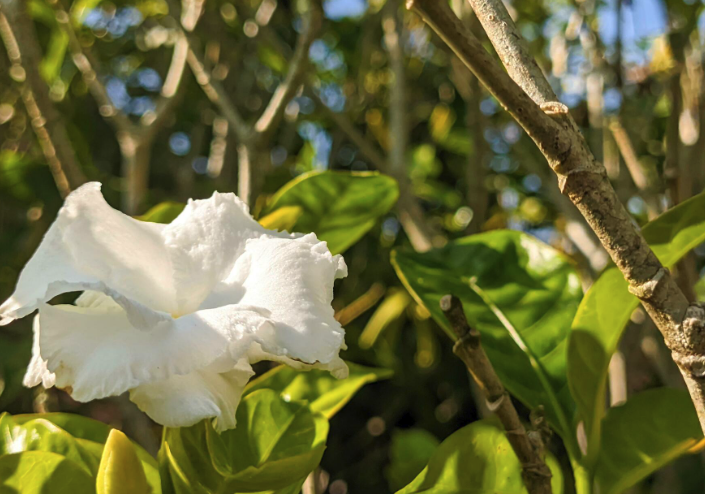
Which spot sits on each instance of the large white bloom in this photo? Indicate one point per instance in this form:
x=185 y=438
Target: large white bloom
x=175 y=313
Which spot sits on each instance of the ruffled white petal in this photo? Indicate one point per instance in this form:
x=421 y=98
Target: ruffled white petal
x=181 y=401
x=37 y=372
x=204 y=242
x=292 y=279
x=95 y=352
x=92 y=245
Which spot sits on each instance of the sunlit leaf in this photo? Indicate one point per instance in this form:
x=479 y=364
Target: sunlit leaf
x=477 y=459
x=90 y=435
x=275 y=443
x=521 y=295
x=41 y=472
x=339 y=207
x=274 y=446
x=164 y=212
x=324 y=393
x=608 y=305
x=651 y=429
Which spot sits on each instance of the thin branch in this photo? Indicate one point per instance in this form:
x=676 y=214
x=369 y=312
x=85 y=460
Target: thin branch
x=581 y=178
x=273 y=113
x=216 y=93
x=468 y=348
x=135 y=139
x=89 y=67
x=641 y=176
x=20 y=39
x=411 y=214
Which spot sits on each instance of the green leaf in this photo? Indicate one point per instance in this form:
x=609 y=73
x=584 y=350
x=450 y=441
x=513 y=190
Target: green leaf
x=42 y=435
x=324 y=393
x=651 y=429
x=120 y=469
x=274 y=444
x=340 y=207
x=410 y=451
x=76 y=425
x=50 y=66
x=476 y=459
x=607 y=307
x=39 y=472
x=283 y=219
x=521 y=295
x=90 y=435
x=164 y=212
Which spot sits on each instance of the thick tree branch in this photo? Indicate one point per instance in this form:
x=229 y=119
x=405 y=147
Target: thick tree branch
x=582 y=179
x=20 y=40
x=468 y=348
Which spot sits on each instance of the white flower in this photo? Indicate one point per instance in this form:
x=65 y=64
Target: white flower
x=175 y=313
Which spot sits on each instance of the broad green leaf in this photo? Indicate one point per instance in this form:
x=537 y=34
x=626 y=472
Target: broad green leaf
x=76 y=425
x=521 y=295
x=340 y=207
x=120 y=469
x=651 y=429
x=164 y=212
x=274 y=444
x=91 y=435
x=324 y=393
x=410 y=451
x=283 y=219
x=40 y=472
x=477 y=459
x=42 y=435
x=607 y=307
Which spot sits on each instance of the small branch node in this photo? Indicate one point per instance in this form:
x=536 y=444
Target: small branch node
x=554 y=108
x=493 y=405
x=647 y=289
x=693 y=365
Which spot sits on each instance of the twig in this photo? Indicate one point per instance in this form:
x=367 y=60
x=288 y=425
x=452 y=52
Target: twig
x=135 y=139
x=295 y=74
x=23 y=50
x=642 y=178
x=468 y=348
x=581 y=178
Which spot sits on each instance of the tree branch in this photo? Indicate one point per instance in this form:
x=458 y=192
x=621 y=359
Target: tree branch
x=468 y=348
x=273 y=113
x=581 y=178
x=23 y=50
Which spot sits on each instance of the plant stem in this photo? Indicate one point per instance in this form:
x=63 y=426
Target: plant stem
x=468 y=348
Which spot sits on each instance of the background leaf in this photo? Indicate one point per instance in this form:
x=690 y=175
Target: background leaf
x=653 y=428
x=40 y=472
x=340 y=207
x=607 y=306
x=275 y=443
x=323 y=392
x=477 y=459
x=521 y=295
x=410 y=451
